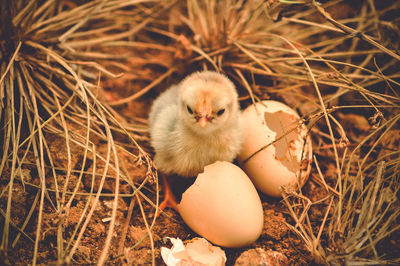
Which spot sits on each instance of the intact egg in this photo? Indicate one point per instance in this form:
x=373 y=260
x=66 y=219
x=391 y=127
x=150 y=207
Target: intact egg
x=223 y=206
x=274 y=153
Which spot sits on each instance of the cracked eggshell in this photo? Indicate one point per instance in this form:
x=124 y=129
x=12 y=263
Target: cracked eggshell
x=198 y=251
x=223 y=206
x=272 y=151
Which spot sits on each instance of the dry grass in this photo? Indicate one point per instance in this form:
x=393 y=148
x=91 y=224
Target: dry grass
x=49 y=81
x=56 y=67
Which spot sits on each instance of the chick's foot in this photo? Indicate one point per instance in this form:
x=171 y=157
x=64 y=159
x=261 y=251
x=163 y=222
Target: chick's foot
x=169 y=197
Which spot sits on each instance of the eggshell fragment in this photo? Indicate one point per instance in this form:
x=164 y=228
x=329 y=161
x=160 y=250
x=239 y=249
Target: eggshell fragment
x=197 y=251
x=223 y=206
x=272 y=151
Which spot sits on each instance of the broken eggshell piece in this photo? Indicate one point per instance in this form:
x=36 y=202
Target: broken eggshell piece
x=272 y=150
x=223 y=206
x=197 y=251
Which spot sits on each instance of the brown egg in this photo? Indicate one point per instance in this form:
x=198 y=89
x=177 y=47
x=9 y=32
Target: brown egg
x=273 y=153
x=223 y=206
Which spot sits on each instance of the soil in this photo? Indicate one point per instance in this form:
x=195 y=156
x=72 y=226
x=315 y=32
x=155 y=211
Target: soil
x=276 y=237
x=278 y=243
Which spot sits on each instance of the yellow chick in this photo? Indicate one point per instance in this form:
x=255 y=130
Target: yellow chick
x=195 y=123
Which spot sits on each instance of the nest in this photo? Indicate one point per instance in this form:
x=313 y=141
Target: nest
x=76 y=81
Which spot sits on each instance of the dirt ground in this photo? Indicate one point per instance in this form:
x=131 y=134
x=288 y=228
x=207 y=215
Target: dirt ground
x=276 y=235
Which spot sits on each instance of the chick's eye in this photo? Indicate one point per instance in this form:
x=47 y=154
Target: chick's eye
x=220 y=112
x=189 y=110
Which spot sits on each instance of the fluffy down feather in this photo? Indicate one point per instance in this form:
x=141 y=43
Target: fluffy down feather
x=195 y=123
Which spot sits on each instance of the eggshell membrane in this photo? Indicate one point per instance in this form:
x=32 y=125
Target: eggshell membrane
x=223 y=206
x=271 y=163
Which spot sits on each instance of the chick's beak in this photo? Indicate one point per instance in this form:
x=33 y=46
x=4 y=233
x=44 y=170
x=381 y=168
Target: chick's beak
x=203 y=113
x=203 y=121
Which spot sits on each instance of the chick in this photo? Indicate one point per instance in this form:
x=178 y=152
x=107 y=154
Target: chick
x=195 y=123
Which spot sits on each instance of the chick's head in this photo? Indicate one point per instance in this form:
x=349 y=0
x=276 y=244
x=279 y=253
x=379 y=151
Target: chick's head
x=208 y=101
